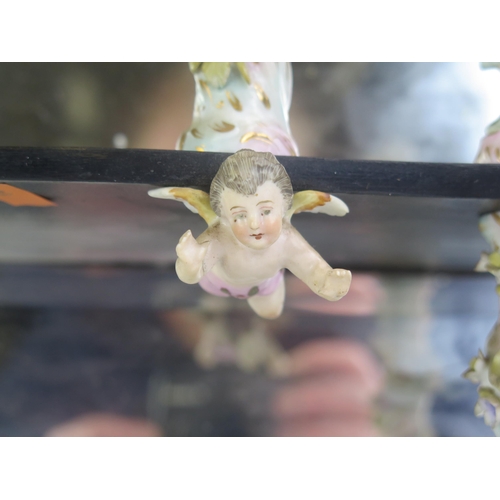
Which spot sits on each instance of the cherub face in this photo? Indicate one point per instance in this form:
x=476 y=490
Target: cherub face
x=255 y=220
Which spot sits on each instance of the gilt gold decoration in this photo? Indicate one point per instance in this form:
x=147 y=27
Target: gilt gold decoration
x=220 y=105
x=206 y=88
x=256 y=135
x=262 y=96
x=196 y=133
x=234 y=101
x=223 y=127
x=200 y=148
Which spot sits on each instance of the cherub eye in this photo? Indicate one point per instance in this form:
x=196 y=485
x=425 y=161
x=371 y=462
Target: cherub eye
x=266 y=212
x=238 y=217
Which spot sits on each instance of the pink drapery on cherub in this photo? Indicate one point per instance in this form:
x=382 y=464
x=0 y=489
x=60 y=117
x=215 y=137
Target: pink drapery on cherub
x=250 y=240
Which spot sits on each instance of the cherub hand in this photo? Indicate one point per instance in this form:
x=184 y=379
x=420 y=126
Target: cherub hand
x=336 y=285
x=189 y=250
x=190 y=253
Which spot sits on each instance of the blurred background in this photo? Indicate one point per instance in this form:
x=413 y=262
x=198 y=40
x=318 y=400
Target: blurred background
x=103 y=349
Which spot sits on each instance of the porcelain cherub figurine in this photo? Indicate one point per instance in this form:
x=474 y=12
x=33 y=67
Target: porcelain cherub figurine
x=250 y=240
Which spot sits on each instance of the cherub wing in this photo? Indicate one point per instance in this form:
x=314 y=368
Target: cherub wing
x=317 y=202
x=195 y=200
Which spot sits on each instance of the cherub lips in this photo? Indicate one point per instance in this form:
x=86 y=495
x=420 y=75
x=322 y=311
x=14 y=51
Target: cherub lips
x=257 y=236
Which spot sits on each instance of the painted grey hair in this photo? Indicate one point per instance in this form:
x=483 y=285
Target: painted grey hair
x=244 y=172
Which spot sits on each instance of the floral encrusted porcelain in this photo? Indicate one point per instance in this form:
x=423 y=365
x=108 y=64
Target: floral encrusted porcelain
x=484 y=369
x=241 y=105
x=250 y=239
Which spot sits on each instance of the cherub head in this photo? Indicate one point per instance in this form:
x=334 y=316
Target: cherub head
x=252 y=192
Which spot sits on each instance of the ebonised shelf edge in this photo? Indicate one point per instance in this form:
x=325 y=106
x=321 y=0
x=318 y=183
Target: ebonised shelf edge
x=194 y=169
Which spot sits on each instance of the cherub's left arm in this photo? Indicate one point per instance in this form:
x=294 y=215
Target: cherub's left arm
x=303 y=261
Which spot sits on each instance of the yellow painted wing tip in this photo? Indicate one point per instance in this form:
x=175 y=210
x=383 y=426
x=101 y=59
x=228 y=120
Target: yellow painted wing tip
x=317 y=202
x=196 y=200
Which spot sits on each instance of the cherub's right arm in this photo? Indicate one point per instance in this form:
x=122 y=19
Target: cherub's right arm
x=195 y=257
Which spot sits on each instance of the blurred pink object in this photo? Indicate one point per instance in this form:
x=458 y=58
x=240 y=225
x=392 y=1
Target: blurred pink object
x=331 y=392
